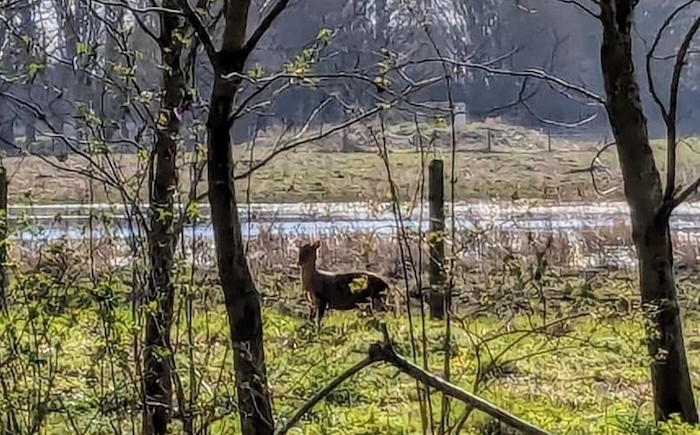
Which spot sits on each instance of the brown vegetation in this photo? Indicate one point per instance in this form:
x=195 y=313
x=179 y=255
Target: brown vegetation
x=515 y=170
x=492 y=266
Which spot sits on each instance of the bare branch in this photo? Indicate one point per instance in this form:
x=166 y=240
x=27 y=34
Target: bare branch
x=297 y=143
x=579 y=123
x=685 y=194
x=582 y=7
x=201 y=31
x=323 y=392
x=671 y=56
x=596 y=160
x=137 y=10
x=265 y=24
x=650 y=56
x=594 y=166
x=531 y=72
x=672 y=142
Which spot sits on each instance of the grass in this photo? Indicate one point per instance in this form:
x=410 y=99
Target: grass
x=518 y=167
x=589 y=378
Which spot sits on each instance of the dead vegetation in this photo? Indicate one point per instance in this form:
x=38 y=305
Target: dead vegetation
x=504 y=268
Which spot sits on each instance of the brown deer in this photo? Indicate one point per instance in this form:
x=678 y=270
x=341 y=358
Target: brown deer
x=338 y=291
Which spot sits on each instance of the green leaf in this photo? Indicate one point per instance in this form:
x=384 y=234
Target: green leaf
x=34 y=68
x=257 y=72
x=82 y=47
x=324 y=35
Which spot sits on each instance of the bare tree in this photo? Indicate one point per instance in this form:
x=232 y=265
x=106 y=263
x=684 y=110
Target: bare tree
x=162 y=237
x=650 y=203
x=241 y=296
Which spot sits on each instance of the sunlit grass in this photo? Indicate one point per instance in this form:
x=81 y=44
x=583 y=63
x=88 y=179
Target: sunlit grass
x=587 y=376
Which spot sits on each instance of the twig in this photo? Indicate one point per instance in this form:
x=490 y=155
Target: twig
x=201 y=31
x=323 y=392
x=582 y=7
x=385 y=352
x=265 y=24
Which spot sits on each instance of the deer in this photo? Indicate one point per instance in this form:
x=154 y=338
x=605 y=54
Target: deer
x=337 y=290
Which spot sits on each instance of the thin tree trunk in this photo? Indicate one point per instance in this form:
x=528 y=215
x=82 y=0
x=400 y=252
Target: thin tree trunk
x=112 y=103
x=669 y=368
x=157 y=369
x=240 y=294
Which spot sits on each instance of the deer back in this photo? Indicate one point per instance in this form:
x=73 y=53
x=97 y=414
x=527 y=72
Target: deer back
x=348 y=289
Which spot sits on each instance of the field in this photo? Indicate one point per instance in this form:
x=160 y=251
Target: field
x=563 y=351
x=518 y=166
x=535 y=330
x=575 y=377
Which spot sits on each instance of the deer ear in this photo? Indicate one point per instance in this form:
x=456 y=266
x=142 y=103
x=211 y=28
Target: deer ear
x=316 y=244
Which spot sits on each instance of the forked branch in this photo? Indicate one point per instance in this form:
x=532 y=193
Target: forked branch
x=200 y=30
x=206 y=39
x=264 y=25
x=384 y=352
x=669 y=113
x=672 y=143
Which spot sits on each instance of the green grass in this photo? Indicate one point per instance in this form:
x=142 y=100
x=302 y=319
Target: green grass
x=518 y=167
x=586 y=377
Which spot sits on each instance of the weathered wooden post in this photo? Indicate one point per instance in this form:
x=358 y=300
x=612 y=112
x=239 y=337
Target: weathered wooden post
x=3 y=238
x=436 y=239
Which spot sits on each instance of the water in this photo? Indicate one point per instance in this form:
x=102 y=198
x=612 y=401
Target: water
x=70 y=221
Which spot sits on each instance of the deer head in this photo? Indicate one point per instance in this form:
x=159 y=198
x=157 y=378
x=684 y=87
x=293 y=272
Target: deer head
x=307 y=252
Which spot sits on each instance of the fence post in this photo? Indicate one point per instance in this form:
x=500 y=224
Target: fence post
x=436 y=239
x=3 y=238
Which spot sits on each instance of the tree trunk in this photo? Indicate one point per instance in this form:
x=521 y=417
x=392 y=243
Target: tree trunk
x=157 y=359
x=650 y=221
x=112 y=101
x=240 y=294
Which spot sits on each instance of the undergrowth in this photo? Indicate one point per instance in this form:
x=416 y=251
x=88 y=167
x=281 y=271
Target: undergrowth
x=74 y=368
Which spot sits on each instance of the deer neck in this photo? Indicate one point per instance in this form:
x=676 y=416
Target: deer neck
x=309 y=276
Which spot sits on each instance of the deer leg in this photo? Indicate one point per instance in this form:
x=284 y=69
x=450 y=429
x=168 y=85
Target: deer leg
x=313 y=303
x=377 y=303
x=321 y=310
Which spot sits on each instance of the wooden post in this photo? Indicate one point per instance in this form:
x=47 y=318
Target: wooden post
x=488 y=141
x=549 y=141
x=3 y=238
x=436 y=239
